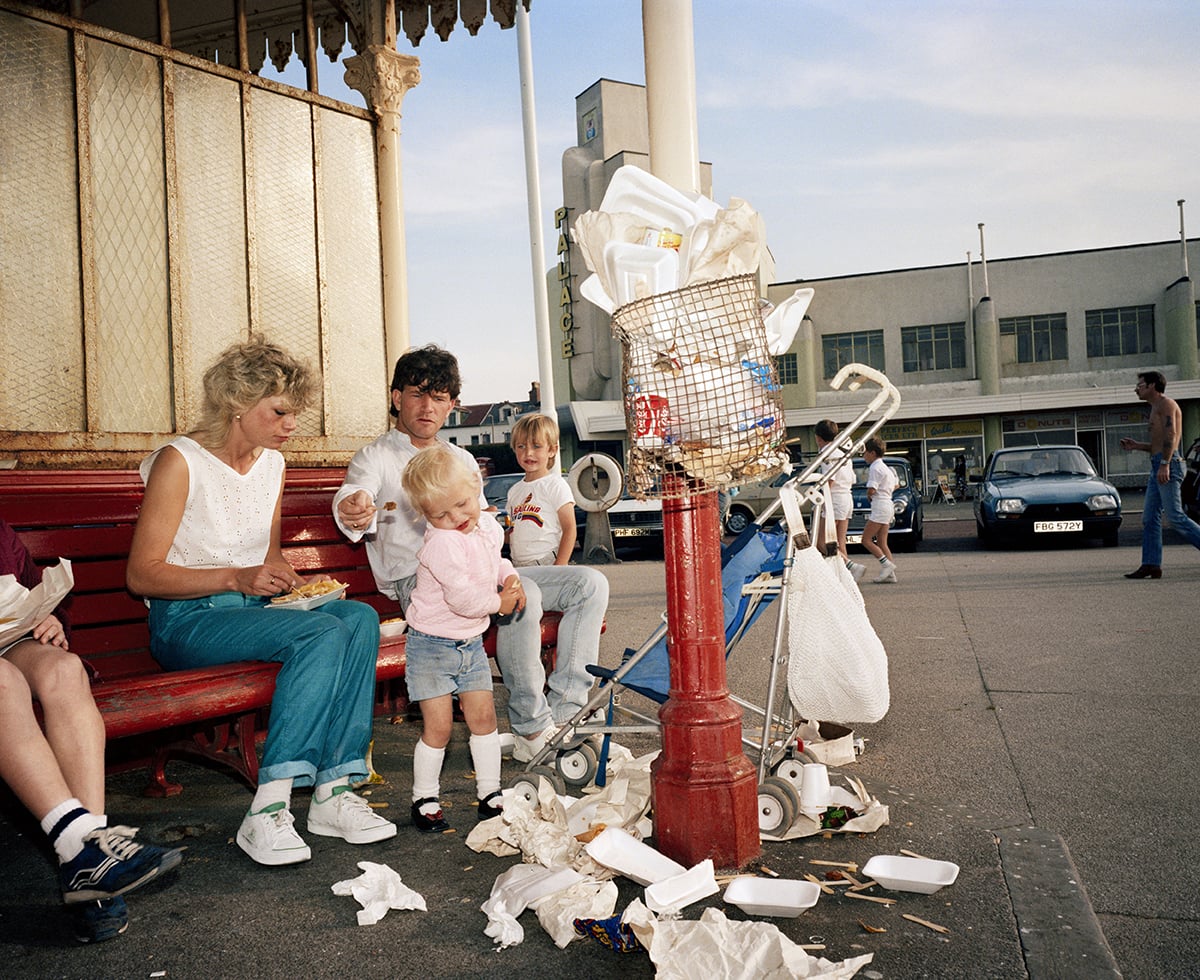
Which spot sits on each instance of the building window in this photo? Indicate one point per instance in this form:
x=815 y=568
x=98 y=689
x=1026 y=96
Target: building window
x=1038 y=338
x=474 y=440
x=785 y=367
x=453 y=440
x=862 y=347
x=1121 y=331
x=934 y=347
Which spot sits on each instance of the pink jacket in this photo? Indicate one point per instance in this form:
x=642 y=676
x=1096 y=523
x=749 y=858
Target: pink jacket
x=457 y=580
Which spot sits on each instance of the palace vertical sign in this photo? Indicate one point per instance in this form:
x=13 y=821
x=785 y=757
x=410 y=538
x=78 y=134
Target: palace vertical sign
x=566 y=321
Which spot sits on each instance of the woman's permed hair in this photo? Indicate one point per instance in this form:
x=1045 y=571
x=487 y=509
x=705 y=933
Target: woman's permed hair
x=241 y=377
x=435 y=472
x=539 y=428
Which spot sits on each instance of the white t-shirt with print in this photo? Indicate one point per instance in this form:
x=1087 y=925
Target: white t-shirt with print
x=533 y=507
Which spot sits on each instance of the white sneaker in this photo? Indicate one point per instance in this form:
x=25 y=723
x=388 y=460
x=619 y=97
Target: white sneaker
x=857 y=571
x=525 y=747
x=348 y=816
x=887 y=573
x=269 y=837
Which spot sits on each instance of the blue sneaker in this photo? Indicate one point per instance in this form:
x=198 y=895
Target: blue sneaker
x=112 y=863
x=97 y=921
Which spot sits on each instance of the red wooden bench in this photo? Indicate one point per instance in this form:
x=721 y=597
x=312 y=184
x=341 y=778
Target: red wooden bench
x=212 y=713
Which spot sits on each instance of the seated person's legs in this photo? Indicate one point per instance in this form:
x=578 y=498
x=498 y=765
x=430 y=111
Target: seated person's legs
x=518 y=652
x=581 y=595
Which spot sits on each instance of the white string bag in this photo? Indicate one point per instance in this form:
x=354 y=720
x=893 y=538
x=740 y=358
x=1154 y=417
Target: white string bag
x=837 y=666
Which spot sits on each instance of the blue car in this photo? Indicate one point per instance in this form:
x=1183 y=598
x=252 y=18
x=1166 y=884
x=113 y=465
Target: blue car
x=1045 y=492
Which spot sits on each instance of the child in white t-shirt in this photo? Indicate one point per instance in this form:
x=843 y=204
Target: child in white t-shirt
x=881 y=481
x=541 y=508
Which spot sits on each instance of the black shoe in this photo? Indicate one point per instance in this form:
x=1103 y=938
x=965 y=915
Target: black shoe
x=431 y=824
x=491 y=805
x=1146 y=571
x=97 y=921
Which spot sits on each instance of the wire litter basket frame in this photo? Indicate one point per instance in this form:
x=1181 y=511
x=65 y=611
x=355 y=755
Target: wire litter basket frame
x=703 y=404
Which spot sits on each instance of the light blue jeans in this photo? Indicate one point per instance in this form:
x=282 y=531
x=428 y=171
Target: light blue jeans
x=581 y=595
x=1164 y=498
x=321 y=713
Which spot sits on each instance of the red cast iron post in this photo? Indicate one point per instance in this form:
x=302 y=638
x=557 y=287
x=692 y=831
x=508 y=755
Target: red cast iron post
x=705 y=789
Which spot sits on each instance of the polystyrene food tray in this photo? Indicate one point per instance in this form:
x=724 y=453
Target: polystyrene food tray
x=616 y=849
x=908 y=874
x=782 y=897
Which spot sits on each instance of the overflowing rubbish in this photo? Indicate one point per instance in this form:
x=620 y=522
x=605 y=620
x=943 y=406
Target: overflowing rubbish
x=378 y=890
x=678 y=274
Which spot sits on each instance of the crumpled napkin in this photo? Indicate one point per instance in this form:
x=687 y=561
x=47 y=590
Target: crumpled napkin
x=716 y=946
x=515 y=890
x=378 y=889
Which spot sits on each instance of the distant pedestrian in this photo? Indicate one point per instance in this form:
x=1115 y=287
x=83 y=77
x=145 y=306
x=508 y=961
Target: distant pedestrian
x=960 y=477
x=840 y=483
x=881 y=482
x=1166 y=474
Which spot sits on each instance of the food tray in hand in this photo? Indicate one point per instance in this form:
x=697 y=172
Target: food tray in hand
x=297 y=600
x=909 y=874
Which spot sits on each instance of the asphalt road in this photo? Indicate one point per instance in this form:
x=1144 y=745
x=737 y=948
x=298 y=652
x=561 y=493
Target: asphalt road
x=1041 y=735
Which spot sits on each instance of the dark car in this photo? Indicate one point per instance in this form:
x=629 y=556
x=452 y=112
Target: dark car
x=632 y=521
x=908 y=528
x=1045 y=492
x=495 y=489
x=1191 y=482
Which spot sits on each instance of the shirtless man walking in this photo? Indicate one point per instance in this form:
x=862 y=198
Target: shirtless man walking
x=1166 y=474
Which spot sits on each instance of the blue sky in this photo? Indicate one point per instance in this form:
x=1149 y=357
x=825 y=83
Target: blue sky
x=869 y=136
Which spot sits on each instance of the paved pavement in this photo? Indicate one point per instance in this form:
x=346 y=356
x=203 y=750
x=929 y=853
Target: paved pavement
x=1041 y=736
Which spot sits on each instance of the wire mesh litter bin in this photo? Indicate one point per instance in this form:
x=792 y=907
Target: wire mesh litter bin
x=702 y=395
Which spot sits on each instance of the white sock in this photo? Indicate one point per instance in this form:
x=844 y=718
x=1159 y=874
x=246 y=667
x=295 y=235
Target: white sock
x=324 y=792
x=427 y=772
x=68 y=838
x=485 y=754
x=276 y=791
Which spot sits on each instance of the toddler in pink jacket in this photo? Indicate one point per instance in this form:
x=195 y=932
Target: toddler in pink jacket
x=461 y=582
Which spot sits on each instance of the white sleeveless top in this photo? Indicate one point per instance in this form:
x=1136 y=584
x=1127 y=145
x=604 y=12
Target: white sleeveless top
x=227 y=518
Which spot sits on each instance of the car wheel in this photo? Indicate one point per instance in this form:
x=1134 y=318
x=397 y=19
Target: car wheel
x=737 y=520
x=986 y=538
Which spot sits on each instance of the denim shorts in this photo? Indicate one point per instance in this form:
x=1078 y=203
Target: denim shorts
x=436 y=666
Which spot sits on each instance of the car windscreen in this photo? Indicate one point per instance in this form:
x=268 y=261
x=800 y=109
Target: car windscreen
x=1036 y=461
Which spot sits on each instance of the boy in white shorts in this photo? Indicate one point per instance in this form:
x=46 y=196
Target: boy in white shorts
x=881 y=482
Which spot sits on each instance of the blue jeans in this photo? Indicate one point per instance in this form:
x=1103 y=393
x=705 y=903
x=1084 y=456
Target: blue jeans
x=321 y=713
x=581 y=595
x=1164 y=498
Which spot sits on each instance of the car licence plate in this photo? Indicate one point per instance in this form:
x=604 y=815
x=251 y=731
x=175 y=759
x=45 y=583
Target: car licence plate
x=633 y=532
x=1040 y=527
x=853 y=539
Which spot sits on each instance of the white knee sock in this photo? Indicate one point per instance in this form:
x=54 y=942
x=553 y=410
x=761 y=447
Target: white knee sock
x=276 y=791
x=66 y=826
x=427 y=771
x=485 y=754
x=324 y=792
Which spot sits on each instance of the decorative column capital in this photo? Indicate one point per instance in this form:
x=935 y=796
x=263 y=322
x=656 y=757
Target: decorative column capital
x=383 y=75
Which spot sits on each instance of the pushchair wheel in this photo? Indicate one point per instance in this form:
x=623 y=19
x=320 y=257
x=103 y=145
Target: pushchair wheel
x=577 y=765
x=525 y=784
x=792 y=770
x=778 y=804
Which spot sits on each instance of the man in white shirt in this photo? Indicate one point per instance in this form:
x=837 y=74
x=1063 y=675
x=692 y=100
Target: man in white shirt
x=371 y=504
